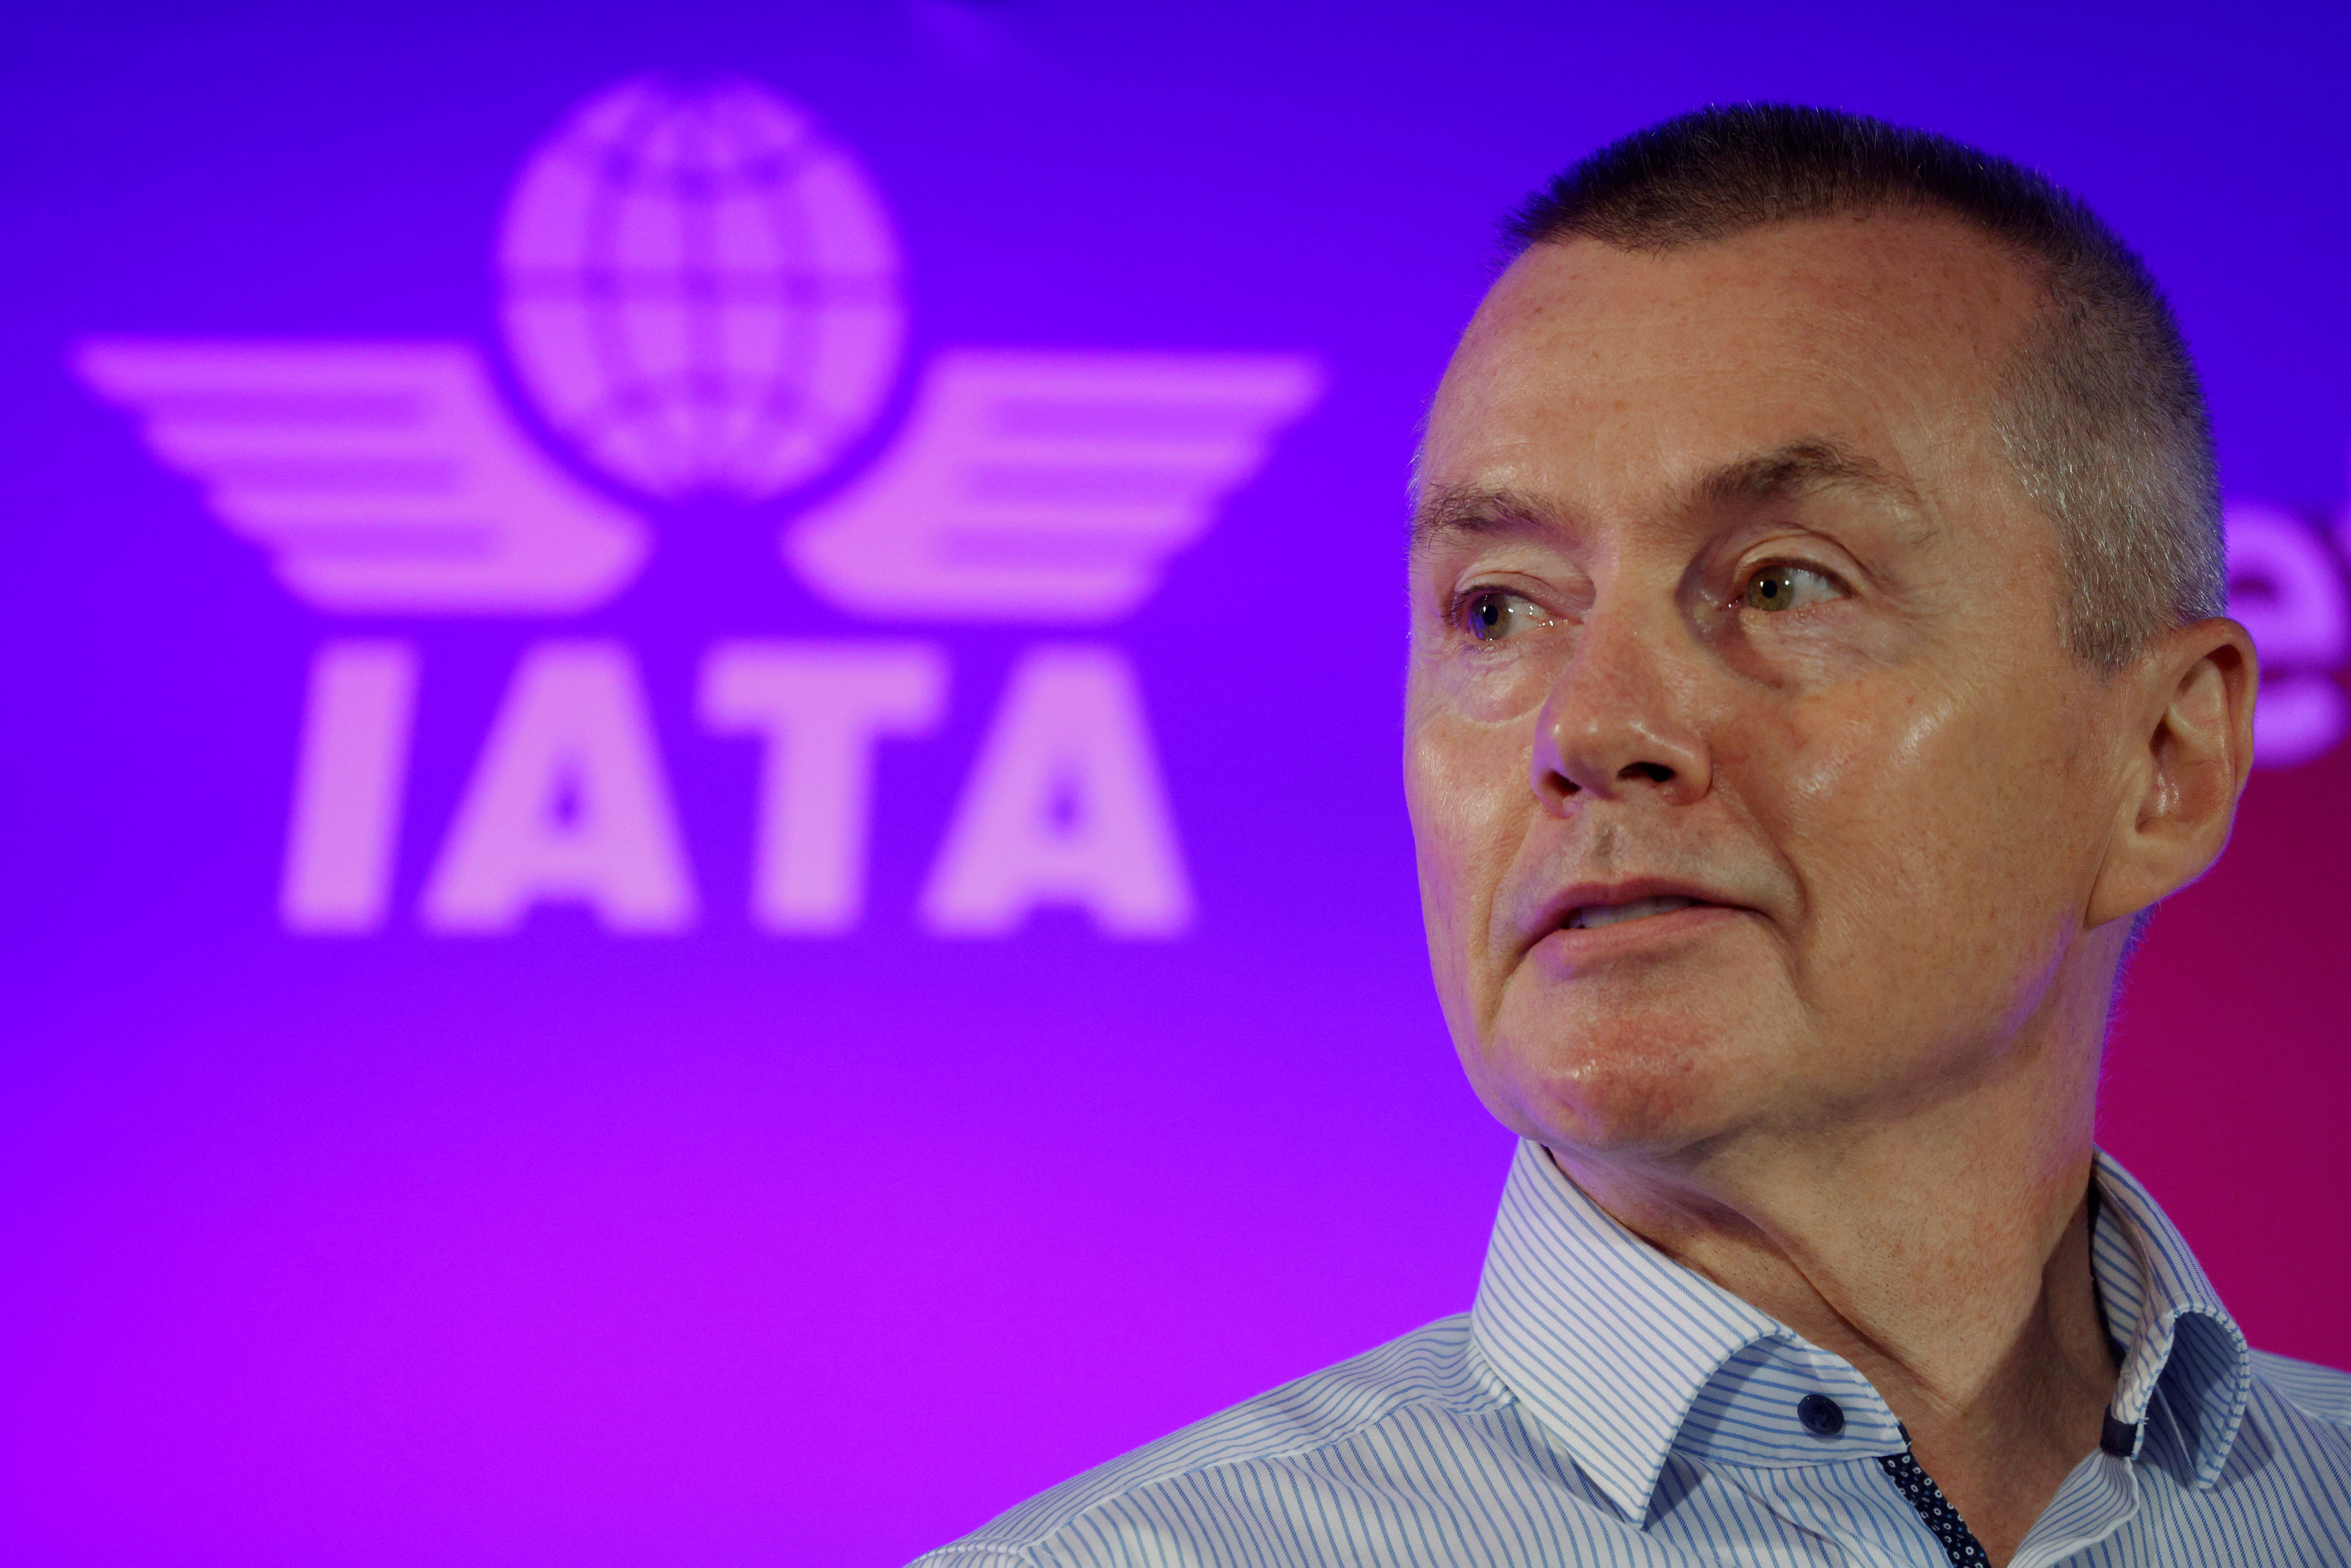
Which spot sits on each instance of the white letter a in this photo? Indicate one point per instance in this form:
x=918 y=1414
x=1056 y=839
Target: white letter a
x=567 y=803
x=1064 y=806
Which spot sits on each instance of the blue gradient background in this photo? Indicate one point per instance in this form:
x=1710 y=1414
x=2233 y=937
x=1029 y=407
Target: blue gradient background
x=721 y=1249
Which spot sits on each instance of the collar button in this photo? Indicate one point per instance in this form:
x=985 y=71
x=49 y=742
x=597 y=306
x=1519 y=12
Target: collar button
x=1821 y=1415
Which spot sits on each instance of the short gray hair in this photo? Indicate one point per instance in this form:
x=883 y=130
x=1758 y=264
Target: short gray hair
x=2101 y=413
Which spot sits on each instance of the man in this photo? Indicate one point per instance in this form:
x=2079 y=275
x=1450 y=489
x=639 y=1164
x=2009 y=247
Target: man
x=1817 y=674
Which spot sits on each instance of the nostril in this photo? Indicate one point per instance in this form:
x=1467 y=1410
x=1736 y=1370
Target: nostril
x=1655 y=772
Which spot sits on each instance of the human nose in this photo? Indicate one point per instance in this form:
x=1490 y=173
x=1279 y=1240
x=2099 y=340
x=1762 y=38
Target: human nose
x=1618 y=723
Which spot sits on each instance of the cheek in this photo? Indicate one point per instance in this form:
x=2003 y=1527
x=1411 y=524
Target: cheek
x=1933 y=830
x=1874 y=800
x=1497 y=683
x=1466 y=791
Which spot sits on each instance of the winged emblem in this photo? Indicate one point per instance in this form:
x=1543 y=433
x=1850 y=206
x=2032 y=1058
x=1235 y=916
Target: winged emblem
x=701 y=299
x=380 y=476
x=1047 y=486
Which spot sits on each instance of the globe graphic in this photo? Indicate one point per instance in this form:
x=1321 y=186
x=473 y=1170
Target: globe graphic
x=699 y=291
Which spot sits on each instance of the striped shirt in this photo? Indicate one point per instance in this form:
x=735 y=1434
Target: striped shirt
x=1602 y=1403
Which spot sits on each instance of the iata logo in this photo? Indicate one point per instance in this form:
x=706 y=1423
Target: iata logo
x=701 y=296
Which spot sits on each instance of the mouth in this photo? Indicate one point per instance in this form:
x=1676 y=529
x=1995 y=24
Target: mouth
x=1592 y=916
x=1584 y=915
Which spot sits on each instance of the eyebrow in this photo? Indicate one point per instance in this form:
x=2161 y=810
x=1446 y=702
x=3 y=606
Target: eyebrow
x=1454 y=510
x=1801 y=467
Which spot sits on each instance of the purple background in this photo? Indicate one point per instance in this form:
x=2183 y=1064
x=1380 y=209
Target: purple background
x=722 y=1247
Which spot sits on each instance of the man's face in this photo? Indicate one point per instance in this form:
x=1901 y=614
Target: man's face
x=1751 y=784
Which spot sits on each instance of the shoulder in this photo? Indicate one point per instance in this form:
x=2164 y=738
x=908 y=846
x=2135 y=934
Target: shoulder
x=1431 y=1368
x=2321 y=1392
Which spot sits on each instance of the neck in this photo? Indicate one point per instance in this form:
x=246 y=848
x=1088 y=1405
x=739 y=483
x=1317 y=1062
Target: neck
x=1944 y=1251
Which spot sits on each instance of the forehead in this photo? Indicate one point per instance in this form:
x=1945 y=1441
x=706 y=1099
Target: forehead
x=1595 y=377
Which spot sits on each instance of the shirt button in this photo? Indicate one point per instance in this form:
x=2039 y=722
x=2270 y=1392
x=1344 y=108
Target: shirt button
x=1821 y=1415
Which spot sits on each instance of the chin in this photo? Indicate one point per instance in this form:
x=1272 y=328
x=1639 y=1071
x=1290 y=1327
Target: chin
x=1619 y=1079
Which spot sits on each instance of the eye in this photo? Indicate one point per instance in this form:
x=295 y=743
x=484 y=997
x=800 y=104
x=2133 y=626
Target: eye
x=1782 y=586
x=1491 y=614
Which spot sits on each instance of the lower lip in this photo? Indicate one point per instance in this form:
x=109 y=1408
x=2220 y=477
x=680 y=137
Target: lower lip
x=1584 y=945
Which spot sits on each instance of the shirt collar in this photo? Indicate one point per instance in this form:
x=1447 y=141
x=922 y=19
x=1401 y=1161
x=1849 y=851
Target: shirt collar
x=2175 y=1337
x=1609 y=1343
x=1605 y=1341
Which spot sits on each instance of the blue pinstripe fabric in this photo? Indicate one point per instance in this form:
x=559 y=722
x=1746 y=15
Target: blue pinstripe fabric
x=1602 y=1404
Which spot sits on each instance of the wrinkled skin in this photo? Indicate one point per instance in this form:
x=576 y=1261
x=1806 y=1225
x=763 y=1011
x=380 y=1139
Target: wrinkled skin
x=1723 y=590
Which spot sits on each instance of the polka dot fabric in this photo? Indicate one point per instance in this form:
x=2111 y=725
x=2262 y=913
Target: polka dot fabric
x=1958 y=1541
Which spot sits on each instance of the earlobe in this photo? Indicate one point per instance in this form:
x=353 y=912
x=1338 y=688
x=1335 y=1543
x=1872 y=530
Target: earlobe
x=2191 y=752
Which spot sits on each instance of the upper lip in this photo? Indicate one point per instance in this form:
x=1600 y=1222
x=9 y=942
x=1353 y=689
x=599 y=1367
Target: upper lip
x=1551 y=913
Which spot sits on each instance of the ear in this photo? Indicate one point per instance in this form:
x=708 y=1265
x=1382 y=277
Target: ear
x=2189 y=750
